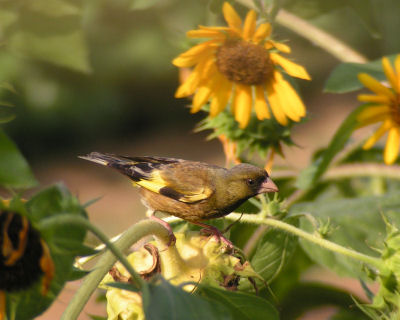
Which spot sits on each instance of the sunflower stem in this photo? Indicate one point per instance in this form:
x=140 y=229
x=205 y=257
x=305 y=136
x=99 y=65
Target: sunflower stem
x=321 y=38
x=331 y=246
x=132 y=235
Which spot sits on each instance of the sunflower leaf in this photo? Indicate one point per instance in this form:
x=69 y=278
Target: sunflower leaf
x=242 y=306
x=310 y=175
x=14 y=169
x=344 y=77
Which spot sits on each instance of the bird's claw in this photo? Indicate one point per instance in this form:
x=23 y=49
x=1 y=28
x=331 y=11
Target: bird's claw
x=172 y=238
x=210 y=230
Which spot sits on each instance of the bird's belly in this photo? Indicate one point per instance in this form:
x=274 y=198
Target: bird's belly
x=197 y=211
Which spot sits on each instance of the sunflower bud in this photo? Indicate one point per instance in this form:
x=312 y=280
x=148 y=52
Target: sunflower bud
x=388 y=297
x=194 y=258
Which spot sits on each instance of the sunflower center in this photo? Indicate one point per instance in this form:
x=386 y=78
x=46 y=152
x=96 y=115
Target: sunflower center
x=395 y=107
x=244 y=62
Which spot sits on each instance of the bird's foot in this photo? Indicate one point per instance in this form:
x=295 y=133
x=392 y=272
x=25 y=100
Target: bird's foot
x=217 y=234
x=171 y=235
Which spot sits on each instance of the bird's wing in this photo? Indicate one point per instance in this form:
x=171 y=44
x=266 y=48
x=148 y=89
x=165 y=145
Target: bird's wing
x=178 y=179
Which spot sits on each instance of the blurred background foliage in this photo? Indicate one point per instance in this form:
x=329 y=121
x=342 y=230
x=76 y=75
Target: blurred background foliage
x=89 y=71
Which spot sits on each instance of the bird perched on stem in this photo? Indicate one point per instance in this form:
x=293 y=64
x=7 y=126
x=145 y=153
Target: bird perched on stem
x=193 y=191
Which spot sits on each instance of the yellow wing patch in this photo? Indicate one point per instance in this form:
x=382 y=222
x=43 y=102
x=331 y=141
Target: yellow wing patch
x=157 y=184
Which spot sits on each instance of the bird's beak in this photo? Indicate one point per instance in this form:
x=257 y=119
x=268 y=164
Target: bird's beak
x=268 y=186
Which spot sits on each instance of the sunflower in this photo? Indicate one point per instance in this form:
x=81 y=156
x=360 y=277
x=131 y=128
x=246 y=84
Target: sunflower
x=241 y=64
x=384 y=107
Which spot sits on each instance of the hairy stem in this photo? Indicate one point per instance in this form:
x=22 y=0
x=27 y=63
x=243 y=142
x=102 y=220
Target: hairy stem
x=331 y=246
x=132 y=235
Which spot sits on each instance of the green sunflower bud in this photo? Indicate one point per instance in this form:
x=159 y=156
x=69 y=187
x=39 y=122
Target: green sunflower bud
x=387 y=300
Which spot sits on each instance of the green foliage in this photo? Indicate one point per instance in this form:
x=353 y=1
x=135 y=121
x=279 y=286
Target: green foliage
x=64 y=243
x=43 y=44
x=172 y=303
x=344 y=77
x=363 y=10
x=309 y=176
x=257 y=137
x=307 y=296
x=356 y=223
x=14 y=170
x=273 y=252
x=49 y=31
x=240 y=305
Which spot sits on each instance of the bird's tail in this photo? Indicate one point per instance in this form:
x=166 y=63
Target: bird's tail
x=131 y=167
x=110 y=160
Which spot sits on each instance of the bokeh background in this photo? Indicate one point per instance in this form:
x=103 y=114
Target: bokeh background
x=97 y=76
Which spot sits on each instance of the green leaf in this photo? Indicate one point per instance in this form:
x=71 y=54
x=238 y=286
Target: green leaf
x=123 y=286
x=355 y=223
x=143 y=4
x=55 y=200
x=168 y=302
x=360 y=9
x=40 y=31
x=14 y=170
x=344 y=77
x=53 y=8
x=273 y=252
x=308 y=296
x=242 y=306
x=309 y=176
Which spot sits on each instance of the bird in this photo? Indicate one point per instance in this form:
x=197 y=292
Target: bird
x=191 y=190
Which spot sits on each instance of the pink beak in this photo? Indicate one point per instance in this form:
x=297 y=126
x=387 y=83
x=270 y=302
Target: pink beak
x=268 y=186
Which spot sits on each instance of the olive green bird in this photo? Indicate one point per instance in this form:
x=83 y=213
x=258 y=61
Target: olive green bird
x=191 y=190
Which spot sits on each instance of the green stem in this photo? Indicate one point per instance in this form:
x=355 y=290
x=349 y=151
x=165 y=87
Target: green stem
x=132 y=235
x=317 y=36
x=331 y=246
x=68 y=219
x=363 y=170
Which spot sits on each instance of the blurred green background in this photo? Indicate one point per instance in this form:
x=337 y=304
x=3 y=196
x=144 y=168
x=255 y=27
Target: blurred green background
x=92 y=71
x=96 y=75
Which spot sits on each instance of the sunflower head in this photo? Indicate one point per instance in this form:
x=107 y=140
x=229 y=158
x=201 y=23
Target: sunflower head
x=241 y=65
x=383 y=106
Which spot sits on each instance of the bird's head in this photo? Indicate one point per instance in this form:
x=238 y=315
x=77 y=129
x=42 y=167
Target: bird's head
x=249 y=180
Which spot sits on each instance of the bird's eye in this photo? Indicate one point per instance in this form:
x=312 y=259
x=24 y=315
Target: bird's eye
x=250 y=182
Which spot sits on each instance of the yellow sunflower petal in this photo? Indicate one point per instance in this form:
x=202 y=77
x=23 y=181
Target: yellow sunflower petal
x=201 y=97
x=375 y=86
x=202 y=70
x=392 y=146
x=231 y=17
x=188 y=87
x=293 y=69
x=260 y=104
x=205 y=34
x=200 y=48
x=189 y=61
x=224 y=31
x=373 y=111
x=275 y=104
x=292 y=104
x=216 y=28
x=373 y=98
x=221 y=97
x=249 y=26
x=263 y=31
x=278 y=45
x=243 y=103
x=389 y=72
x=207 y=69
x=377 y=135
